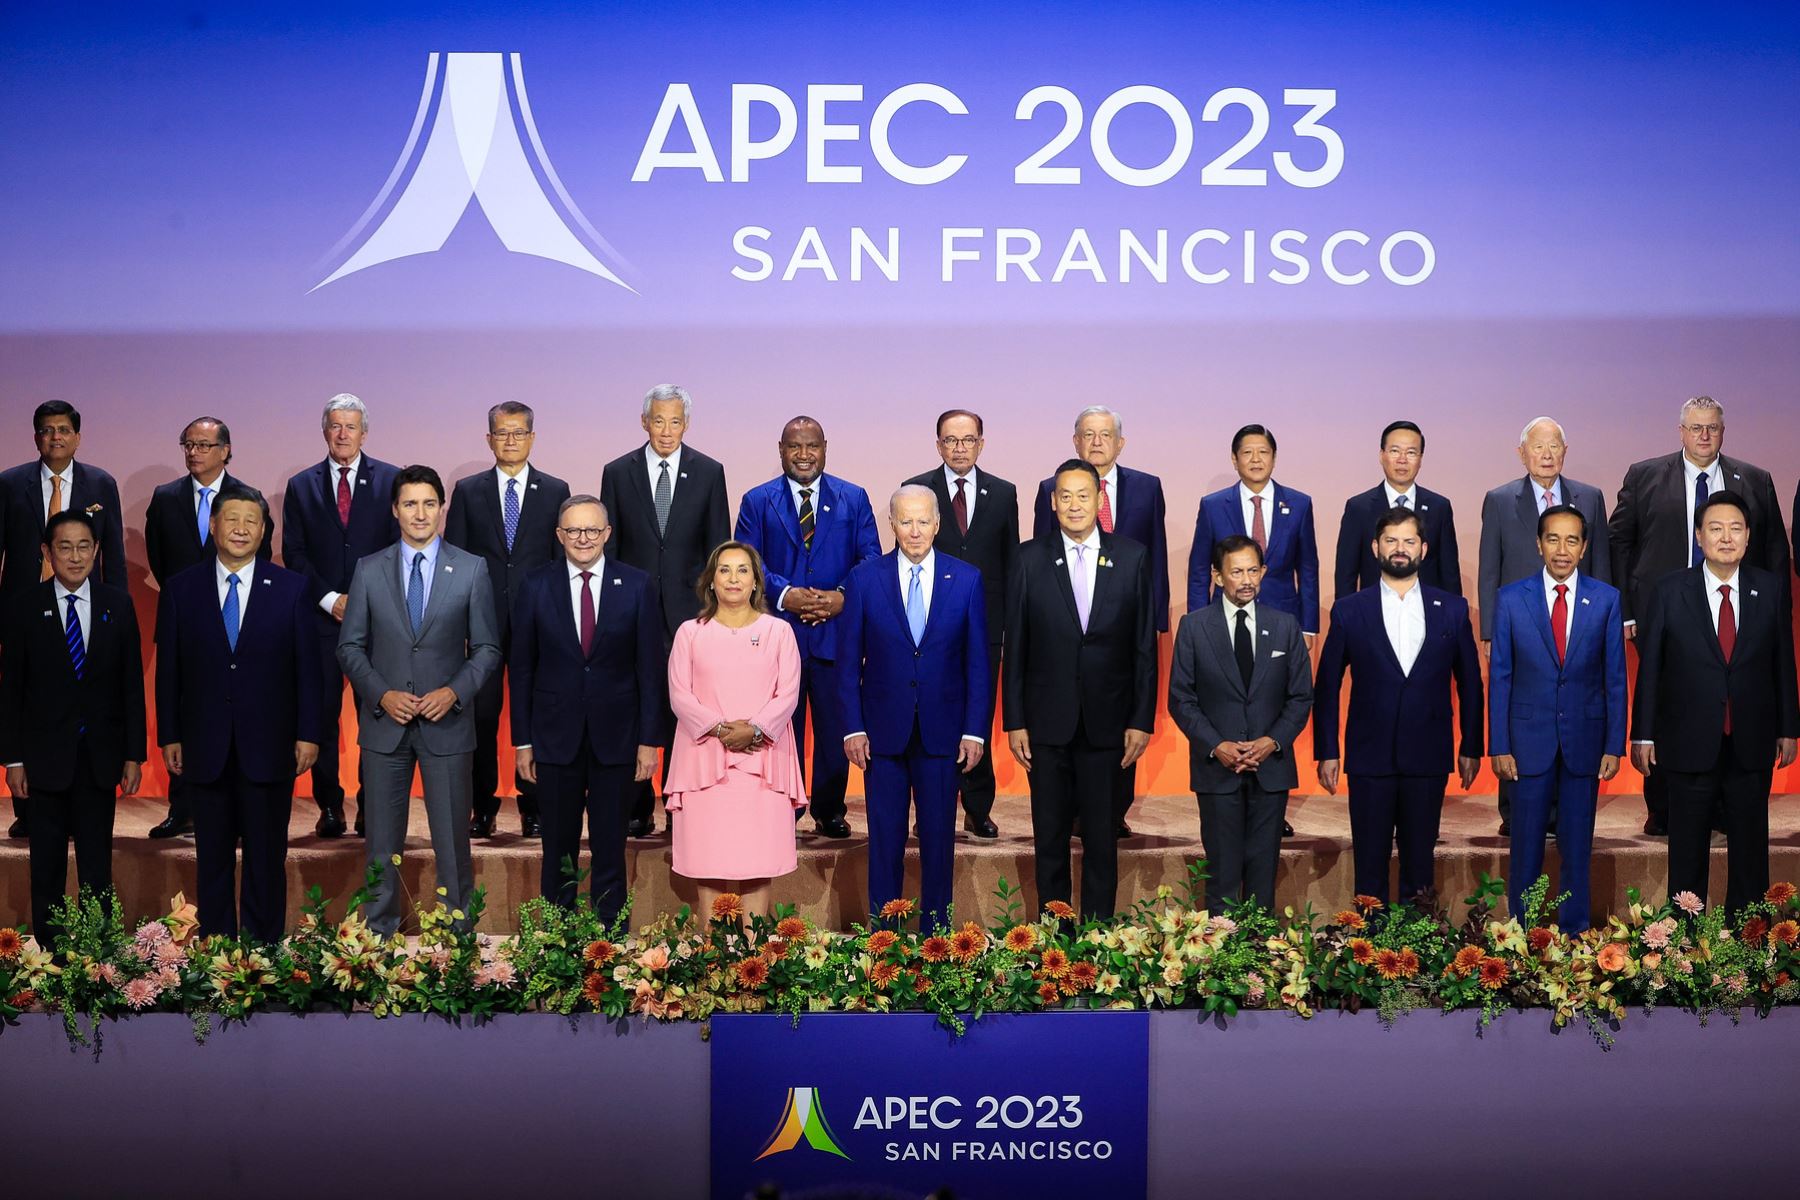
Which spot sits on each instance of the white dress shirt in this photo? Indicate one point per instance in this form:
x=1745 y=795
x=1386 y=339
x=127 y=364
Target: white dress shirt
x=653 y=464
x=1715 y=482
x=970 y=487
x=1537 y=493
x=67 y=475
x=1111 y=480
x=1092 y=557
x=246 y=576
x=1550 y=599
x=213 y=485
x=1393 y=497
x=1713 y=599
x=1404 y=619
x=501 y=479
x=329 y=600
x=927 y=566
x=598 y=570
x=1268 y=508
x=84 y=609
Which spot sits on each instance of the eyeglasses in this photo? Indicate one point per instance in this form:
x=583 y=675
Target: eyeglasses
x=1402 y=452
x=959 y=443
x=1705 y=430
x=588 y=534
x=56 y=431
x=512 y=435
x=192 y=446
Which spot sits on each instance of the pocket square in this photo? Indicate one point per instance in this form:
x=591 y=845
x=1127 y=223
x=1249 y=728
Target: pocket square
x=1278 y=654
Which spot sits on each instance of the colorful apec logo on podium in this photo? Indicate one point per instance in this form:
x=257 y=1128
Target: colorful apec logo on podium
x=802 y=1117
x=473 y=152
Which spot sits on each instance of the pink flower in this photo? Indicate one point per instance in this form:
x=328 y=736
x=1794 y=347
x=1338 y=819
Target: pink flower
x=168 y=977
x=1688 y=903
x=141 y=993
x=1658 y=933
x=168 y=954
x=483 y=977
x=440 y=959
x=656 y=958
x=103 y=972
x=1223 y=925
x=503 y=972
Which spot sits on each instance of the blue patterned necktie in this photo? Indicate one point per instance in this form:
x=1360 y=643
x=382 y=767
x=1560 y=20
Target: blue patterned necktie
x=232 y=613
x=72 y=634
x=1695 y=556
x=204 y=514
x=511 y=512
x=915 y=606
x=415 y=593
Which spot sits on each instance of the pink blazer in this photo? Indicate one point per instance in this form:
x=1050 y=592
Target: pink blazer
x=699 y=761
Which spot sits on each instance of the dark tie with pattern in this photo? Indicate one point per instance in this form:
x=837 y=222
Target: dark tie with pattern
x=1245 y=648
x=343 y=496
x=1694 y=555
x=1259 y=533
x=587 y=613
x=72 y=634
x=806 y=517
x=961 y=504
x=509 y=514
x=665 y=495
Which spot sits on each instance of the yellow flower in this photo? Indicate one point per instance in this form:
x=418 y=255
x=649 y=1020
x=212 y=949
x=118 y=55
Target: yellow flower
x=395 y=859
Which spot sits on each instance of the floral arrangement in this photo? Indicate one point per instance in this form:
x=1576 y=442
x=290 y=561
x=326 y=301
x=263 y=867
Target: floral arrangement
x=1165 y=952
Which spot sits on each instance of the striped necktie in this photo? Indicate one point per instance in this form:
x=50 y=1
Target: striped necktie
x=72 y=634
x=806 y=517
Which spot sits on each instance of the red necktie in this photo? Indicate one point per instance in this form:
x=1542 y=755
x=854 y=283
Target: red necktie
x=344 y=496
x=1258 y=532
x=1559 y=622
x=1105 y=509
x=587 y=613
x=1727 y=640
x=961 y=505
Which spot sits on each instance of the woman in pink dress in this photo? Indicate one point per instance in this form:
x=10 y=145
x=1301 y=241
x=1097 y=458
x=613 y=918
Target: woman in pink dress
x=734 y=681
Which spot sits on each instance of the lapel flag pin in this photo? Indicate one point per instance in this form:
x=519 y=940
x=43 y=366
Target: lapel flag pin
x=1058 y=563
x=824 y=508
x=984 y=491
x=684 y=476
x=1437 y=604
x=617 y=582
x=532 y=486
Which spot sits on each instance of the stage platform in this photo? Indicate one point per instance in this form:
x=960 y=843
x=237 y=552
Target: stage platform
x=832 y=877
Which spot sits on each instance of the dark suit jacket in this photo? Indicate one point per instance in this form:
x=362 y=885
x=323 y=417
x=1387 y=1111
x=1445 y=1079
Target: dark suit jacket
x=43 y=707
x=887 y=684
x=1684 y=682
x=1539 y=707
x=1291 y=583
x=1210 y=704
x=1356 y=565
x=172 y=532
x=1509 y=517
x=1651 y=534
x=315 y=545
x=699 y=519
x=262 y=698
x=616 y=694
x=475 y=523
x=1056 y=676
x=22 y=511
x=1399 y=723
x=843 y=535
x=992 y=542
x=1139 y=513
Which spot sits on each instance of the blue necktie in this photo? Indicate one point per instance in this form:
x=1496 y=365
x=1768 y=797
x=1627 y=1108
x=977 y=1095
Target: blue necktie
x=510 y=513
x=72 y=634
x=1699 y=499
x=231 y=613
x=415 y=593
x=915 y=606
x=204 y=514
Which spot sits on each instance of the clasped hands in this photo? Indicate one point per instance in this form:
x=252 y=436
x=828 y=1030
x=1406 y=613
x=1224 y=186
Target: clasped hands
x=404 y=706
x=814 y=606
x=739 y=737
x=1244 y=756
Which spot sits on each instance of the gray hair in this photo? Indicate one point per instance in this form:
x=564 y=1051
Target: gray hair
x=583 y=498
x=1695 y=402
x=913 y=489
x=512 y=408
x=1100 y=410
x=344 y=402
x=670 y=391
x=1535 y=422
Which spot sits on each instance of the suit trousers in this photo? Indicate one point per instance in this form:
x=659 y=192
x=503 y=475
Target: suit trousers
x=181 y=803
x=603 y=792
x=487 y=750
x=977 y=786
x=82 y=813
x=1566 y=800
x=387 y=804
x=1693 y=799
x=896 y=783
x=830 y=769
x=1241 y=833
x=1505 y=802
x=1386 y=808
x=226 y=811
x=327 y=788
x=1075 y=781
x=643 y=796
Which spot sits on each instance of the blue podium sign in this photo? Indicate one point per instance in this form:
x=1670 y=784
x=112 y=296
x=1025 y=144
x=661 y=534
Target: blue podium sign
x=1025 y=1106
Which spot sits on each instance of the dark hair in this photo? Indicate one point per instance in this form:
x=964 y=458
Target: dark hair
x=242 y=492
x=759 y=581
x=1726 y=496
x=417 y=473
x=55 y=408
x=511 y=408
x=224 y=433
x=1231 y=544
x=1406 y=425
x=803 y=419
x=1237 y=439
x=1400 y=514
x=1076 y=464
x=69 y=516
x=980 y=431
x=1563 y=510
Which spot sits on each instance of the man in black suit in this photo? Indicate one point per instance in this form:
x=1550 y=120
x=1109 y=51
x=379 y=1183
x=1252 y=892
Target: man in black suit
x=71 y=712
x=178 y=535
x=669 y=508
x=980 y=526
x=1402 y=453
x=1080 y=691
x=237 y=711
x=1652 y=530
x=1131 y=506
x=508 y=516
x=1241 y=707
x=1716 y=709
x=33 y=492
x=334 y=514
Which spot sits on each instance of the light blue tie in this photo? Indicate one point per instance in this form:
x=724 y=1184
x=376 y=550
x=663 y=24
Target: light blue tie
x=510 y=514
x=915 y=606
x=231 y=613
x=205 y=514
x=415 y=593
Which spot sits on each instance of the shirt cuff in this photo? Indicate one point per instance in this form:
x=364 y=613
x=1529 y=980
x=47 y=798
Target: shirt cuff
x=781 y=600
x=521 y=747
x=1631 y=622
x=969 y=737
x=1643 y=741
x=328 y=601
x=858 y=733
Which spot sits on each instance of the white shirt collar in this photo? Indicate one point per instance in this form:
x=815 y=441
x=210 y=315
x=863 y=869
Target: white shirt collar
x=1713 y=582
x=524 y=476
x=1267 y=493
x=1412 y=593
x=334 y=466
x=1393 y=497
x=245 y=573
x=85 y=592
x=1231 y=612
x=45 y=474
x=950 y=478
x=1550 y=583
x=906 y=564
x=217 y=482
x=794 y=486
x=1111 y=480
x=1092 y=540
x=653 y=460
x=1691 y=471
x=599 y=568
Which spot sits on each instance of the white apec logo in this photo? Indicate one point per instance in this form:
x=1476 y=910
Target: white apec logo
x=473 y=152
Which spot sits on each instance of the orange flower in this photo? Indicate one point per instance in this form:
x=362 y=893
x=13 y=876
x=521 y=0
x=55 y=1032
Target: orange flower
x=791 y=928
x=1652 y=961
x=728 y=907
x=1082 y=976
x=884 y=974
x=1539 y=939
x=600 y=952
x=1059 y=909
x=300 y=975
x=1021 y=938
x=1350 y=919
x=921 y=985
x=774 y=950
x=1780 y=980
x=27 y=998
x=1754 y=931
x=935 y=949
x=897 y=908
x=1368 y=903
x=966 y=944
x=11 y=944
x=1467 y=959
x=751 y=972
x=593 y=989
x=1056 y=963
x=1409 y=963
x=1387 y=964
x=881 y=941
x=1361 y=950
x=1785 y=932
x=1493 y=973
x=1780 y=893
x=1049 y=993
x=1613 y=956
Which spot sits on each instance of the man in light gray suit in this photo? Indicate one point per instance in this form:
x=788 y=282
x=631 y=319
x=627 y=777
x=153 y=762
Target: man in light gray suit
x=1509 y=545
x=1240 y=687
x=419 y=639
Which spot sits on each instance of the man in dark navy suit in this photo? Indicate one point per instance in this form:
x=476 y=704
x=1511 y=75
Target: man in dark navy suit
x=589 y=687
x=237 y=711
x=178 y=535
x=334 y=515
x=912 y=668
x=1402 y=454
x=506 y=514
x=812 y=529
x=1131 y=506
x=1409 y=648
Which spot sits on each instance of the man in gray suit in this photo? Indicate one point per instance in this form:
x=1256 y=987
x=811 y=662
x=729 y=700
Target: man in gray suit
x=1240 y=687
x=419 y=640
x=1509 y=545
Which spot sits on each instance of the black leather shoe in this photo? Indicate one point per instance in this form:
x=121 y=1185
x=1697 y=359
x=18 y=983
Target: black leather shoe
x=481 y=825
x=169 y=827
x=1123 y=831
x=359 y=823
x=1505 y=827
x=1287 y=830
x=640 y=827
x=17 y=828
x=528 y=826
x=331 y=821
x=981 y=827
x=833 y=827
x=1655 y=826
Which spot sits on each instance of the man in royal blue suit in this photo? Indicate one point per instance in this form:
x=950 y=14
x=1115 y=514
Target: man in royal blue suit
x=912 y=670
x=812 y=529
x=1402 y=454
x=237 y=711
x=589 y=682
x=1131 y=506
x=335 y=514
x=1405 y=645
x=1556 y=709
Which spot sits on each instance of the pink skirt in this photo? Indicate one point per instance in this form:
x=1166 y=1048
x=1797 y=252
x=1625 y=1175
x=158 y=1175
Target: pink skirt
x=737 y=829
